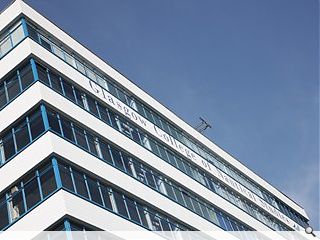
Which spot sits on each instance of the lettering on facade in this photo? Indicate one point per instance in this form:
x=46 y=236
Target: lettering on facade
x=181 y=148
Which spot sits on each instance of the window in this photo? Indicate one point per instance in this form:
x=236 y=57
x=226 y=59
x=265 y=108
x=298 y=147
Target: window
x=67 y=129
x=93 y=144
x=68 y=91
x=187 y=200
x=16 y=205
x=94 y=190
x=8 y=145
x=92 y=106
x=13 y=87
x=21 y=135
x=121 y=207
x=135 y=135
x=32 y=193
x=26 y=76
x=4 y=219
x=169 y=190
x=5 y=46
x=80 y=137
x=54 y=122
x=80 y=67
x=106 y=197
x=70 y=59
x=80 y=183
x=155 y=222
x=43 y=75
x=55 y=82
x=143 y=215
x=48 y=182
x=103 y=113
x=79 y=98
x=116 y=156
x=3 y=98
x=133 y=212
x=45 y=43
x=57 y=51
x=150 y=178
x=128 y=164
x=36 y=125
x=105 y=152
x=66 y=177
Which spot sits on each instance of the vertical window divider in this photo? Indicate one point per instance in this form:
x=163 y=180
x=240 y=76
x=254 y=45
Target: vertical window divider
x=8 y=208
x=39 y=184
x=23 y=196
x=29 y=129
x=68 y=230
x=19 y=80
x=24 y=26
x=87 y=187
x=44 y=117
x=56 y=172
x=62 y=87
x=14 y=141
x=101 y=195
x=73 y=182
x=34 y=70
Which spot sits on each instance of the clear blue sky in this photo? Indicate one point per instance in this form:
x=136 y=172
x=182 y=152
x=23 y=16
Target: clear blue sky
x=249 y=67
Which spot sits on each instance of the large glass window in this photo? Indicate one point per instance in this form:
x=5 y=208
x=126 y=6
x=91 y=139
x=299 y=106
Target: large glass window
x=80 y=137
x=36 y=125
x=67 y=129
x=116 y=156
x=32 y=192
x=48 y=183
x=21 y=135
x=132 y=208
x=80 y=183
x=54 y=122
x=4 y=219
x=8 y=145
x=121 y=207
x=66 y=178
x=13 y=87
x=3 y=98
x=26 y=76
x=94 y=191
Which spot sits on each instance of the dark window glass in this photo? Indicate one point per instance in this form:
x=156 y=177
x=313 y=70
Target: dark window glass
x=106 y=197
x=3 y=99
x=45 y=44
x=79 y=98
x=127 y=163
x=134 y=215
x=66 y=177
x=54 y=122
x=80 y=184
x=120 y=204
x=32 y=193
x=135 y=135
x=140 y=172
x=68 y=91
x=80 y=137
x=165 y=225
x=32 y=33
x=55 y=81
x=155 y=221
x=188 y=169
x=92 y=144
x=92 y=105
x=117 y=158
x=178 y=196
x=113 y=118
x=22 y=135
x=42 y=73
x=150 y=179
x=4 y=219
x=122 y=96
x=180 y=164
x=36 y=125
x=154 y=147
x=48 y=183
x=205 y=212
x=221 y=222
x=103 y=113
x=187 y=200
x=67 y=129
x=26 y=76
x=196 y=206
x=94 y=191
x=169 y=190
x=143 y=216
x=16 y=205
x=149 y=115
x=8 y=145
x=163 y=153
x=13 y=87
x=105 y=152
x=112 y=89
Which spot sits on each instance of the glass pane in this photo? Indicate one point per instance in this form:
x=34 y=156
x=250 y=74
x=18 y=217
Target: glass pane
x=32 y=193
x=13 y=87
x=92 y=144
x=55 y=81
x=80 y=183
x=4 y=219
x=5 y=46
x=106 y=197
x=80 y=137
x=48 y=183
x=143 y=215
x=26 y=76
x=117 y=158
x=22 y=135
x=54 y=122
x=67 y=129
x=42 y=73
x=134 y=215
x=120 y=204
x=79 y=98
x=92 y=106
x=16 y=205
x=103 y=113
x=3 y=98
x=68 y=91
x=57 y=51
x=8 y=145
x=36 y=125
x=105 y=152
x=45 y=43
x=94 y=191
x=66 y=177
x=70 y=60
x=17 y=35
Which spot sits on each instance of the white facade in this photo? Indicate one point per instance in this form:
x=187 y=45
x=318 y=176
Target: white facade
x=20 y=47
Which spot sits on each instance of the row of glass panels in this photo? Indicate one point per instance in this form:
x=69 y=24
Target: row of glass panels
x=10 y=143
x=154 y=117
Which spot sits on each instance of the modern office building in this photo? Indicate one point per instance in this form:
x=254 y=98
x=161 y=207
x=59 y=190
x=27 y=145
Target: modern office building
x=82 y=147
